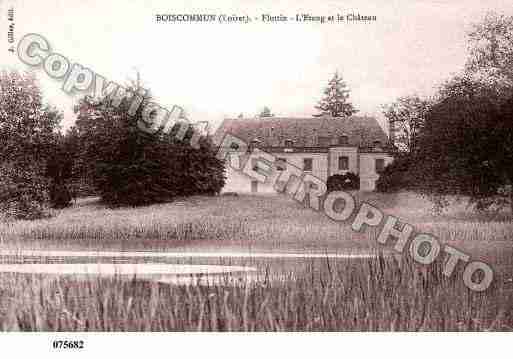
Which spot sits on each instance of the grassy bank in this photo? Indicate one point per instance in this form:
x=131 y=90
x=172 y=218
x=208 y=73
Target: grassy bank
x=270 y=220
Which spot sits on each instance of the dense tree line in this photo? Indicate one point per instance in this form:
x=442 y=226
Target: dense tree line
x=104 y=153
x=130 y=167
x=460 y=143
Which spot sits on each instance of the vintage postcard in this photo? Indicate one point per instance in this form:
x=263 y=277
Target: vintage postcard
x=255 y=166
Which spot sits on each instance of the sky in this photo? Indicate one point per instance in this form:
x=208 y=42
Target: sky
x=217 y=70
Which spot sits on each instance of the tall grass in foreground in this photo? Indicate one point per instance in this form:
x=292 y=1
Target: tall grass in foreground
x=381 y=294
x=374 y=294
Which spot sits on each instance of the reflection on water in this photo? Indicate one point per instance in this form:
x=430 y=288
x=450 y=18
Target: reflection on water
x=172 y=268
x=177 y=255
x=121 y=268
x=231 y=279
x=178 y=274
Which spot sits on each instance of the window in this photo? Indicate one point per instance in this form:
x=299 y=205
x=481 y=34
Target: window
x=343 y=140
x=380 y=165
x=289 y=143
x=254 y=186
x=307 y=164
x=377 y=145
x=343 y=163
x=323 y=141
x=234 y=146
x=281 y=164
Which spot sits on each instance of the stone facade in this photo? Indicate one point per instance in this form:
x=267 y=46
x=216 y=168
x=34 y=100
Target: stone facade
x=338 y=149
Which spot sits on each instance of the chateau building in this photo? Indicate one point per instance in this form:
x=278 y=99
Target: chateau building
x=322 y=146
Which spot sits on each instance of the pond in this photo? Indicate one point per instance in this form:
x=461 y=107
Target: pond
x=195 y=268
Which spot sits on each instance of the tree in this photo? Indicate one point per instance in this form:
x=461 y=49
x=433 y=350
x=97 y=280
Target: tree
x=343 y=182
x=466 y=145
x=59 y=170
x=131 y=167
x=396 y=176
x=28 y=135
x=491 y=49
x=335 y=102
x=406 y=117
x=266 y=112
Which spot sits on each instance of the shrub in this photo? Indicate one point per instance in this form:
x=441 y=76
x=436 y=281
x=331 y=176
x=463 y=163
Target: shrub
x=23 y=192
x=395 y=176
x=343 y=182
x=60 y=195
x=80 y=187
x=59 y=168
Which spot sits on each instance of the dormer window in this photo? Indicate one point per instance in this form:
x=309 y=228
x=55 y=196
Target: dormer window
x=234 y=146
x=343 y=140
x=324 y=141
x=289 y=143
x=377 y=145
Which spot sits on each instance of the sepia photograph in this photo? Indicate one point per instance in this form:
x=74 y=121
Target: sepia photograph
x=332 y=170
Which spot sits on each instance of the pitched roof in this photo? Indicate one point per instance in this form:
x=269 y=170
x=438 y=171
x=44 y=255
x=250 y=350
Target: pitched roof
x=304 y=132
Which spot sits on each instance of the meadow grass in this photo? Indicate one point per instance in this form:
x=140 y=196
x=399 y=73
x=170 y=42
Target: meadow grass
x=259 y=219
x=382 y=293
